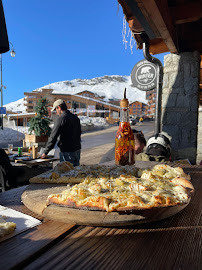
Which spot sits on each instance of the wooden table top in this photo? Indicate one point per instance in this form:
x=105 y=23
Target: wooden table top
x=33 y=162
x=172 y=243
x=36 y=162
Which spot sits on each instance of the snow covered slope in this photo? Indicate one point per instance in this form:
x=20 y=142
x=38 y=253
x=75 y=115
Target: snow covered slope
x=111 y=87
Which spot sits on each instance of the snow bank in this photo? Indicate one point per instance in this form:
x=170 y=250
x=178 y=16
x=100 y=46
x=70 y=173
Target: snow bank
x=14 y=134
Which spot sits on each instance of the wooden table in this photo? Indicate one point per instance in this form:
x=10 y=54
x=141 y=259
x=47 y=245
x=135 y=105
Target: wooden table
x=34 y=162
x=172 y=243
x=37 y=162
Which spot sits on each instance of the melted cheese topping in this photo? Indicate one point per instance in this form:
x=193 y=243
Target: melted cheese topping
x=6 y=227
x=113 y=189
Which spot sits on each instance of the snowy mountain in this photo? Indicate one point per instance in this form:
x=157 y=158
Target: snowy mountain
x=16 y=106
x=110 y=87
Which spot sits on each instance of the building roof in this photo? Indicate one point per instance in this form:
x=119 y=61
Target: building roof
x=136 y=101
x=98 y=101
x=169 y=26
x=20 y=115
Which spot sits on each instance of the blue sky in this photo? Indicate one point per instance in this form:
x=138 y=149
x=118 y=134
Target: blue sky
x=63 y=40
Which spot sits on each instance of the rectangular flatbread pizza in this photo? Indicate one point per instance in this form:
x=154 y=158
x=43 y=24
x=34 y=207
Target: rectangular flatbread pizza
x=65 y=173
x=118 y=188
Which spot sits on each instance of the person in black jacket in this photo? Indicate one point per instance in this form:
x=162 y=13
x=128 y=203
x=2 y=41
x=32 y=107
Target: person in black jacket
x=68 y=129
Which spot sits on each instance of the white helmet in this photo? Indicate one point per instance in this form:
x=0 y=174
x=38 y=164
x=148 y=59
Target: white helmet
x=158 y=145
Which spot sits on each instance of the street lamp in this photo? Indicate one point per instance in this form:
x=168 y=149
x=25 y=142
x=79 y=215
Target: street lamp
x=12 y=52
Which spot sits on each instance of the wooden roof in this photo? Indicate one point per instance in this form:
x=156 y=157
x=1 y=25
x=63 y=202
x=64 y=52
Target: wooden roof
x=168 y=25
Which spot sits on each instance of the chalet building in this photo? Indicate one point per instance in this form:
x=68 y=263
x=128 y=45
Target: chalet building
x=83 y=103
x=137 y=108
x=151 y=97
x=89 y=94
x=34 y=96
x=20 y=119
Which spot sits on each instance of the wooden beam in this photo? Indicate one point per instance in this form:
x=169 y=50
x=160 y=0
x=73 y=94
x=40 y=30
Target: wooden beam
x=187 y=12
x=157 y=46
x=134 y=25
x=157 y=13
x=137 y=12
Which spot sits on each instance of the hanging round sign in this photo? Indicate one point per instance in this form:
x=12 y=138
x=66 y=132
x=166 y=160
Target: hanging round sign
x=144 y=75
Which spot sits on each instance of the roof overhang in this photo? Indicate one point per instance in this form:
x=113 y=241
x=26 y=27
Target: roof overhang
x=169 y=26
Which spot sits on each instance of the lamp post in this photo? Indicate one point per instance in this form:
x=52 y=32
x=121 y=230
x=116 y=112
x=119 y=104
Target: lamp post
x=12 y=52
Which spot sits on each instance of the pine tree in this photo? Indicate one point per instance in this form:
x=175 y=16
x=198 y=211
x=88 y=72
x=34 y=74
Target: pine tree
x=40 y=123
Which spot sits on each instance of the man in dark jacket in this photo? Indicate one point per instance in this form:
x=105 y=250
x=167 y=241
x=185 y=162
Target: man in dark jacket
x=68 y=129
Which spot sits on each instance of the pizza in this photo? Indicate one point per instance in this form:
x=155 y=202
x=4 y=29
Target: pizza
x=64 y=173
x=6 y=227
x=123 y=188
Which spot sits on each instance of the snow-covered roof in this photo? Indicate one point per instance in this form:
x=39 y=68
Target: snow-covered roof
x=100 y=101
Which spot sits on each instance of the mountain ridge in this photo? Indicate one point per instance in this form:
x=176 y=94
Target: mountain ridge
x=109 y=86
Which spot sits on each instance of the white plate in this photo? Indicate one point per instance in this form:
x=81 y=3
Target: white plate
x=23 y=158
x=23 y=222
x=12 y=157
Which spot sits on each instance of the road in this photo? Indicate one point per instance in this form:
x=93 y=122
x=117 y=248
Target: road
x=96 y=144
x=108 y=135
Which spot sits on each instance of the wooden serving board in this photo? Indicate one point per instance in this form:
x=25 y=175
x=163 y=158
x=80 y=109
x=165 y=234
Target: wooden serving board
x=34 y=198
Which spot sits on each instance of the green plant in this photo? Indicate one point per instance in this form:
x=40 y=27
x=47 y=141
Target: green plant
x=40 y=123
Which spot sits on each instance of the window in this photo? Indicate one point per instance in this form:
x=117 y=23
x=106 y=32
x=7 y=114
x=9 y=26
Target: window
x=82 y=105
x=75 y=104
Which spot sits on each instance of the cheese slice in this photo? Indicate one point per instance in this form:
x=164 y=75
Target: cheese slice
x=6 y=227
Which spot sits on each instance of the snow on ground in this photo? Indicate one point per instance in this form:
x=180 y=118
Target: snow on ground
x=110 y=87
x=13 y=134
x=96 y=121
